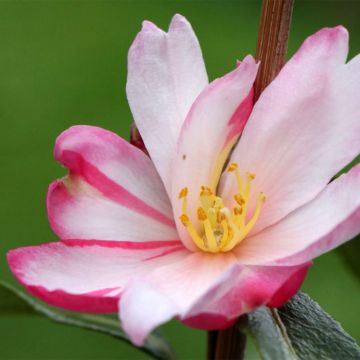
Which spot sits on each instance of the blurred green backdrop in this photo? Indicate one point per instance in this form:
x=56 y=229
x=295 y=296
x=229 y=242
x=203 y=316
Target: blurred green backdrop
x=64 y=63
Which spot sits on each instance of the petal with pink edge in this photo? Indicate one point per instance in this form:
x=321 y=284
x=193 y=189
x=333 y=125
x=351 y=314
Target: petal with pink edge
x=204 y=291
x=303 y=129
x=113 y=191
x=88 y=276
x=211 y=128
x=78 y=210
x=332 y=218
x=166 y=72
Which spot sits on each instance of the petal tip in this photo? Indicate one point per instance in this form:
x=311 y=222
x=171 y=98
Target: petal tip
x=178 y=20
x=148 y=25
x=250 y=61
x=247 y=65
x=334 y=33
x=332 y=40
x=340 y=29
x=66 y=134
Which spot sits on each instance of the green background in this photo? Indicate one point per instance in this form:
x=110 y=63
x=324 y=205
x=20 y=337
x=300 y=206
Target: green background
x=64 y=63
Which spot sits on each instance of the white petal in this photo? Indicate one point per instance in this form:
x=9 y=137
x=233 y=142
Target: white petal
x=166 y=72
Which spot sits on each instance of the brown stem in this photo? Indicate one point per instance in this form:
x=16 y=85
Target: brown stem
x=272 y=40
x=227 y=344
x=211 y=343
x=271 y=52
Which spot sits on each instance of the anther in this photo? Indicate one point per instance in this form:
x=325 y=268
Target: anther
x=262 y=197
x=220 y=217
x=183 y=192
x=250 y=176
x=184 y=219
x=239 y=199
x=222 y=229
x=201 y=214
x=232 y=167
x=238 y=210
x=205 y=191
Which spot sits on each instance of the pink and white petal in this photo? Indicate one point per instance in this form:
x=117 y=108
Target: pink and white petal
x=211 y=128
x=254 y=286
x=202 y=290
x=166 y=72
x=88 y=275
x=332 y=218
x=109 y=180
x=76 y=210
x=303 y=129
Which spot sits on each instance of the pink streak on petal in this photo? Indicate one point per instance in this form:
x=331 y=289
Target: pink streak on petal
x=241 y=116
x=77 y=165
x=215 y=119
x=166 y=252
x=99 y=150
x=72 y=202
x=87 y=275
x=129 y=245
x=87 y=302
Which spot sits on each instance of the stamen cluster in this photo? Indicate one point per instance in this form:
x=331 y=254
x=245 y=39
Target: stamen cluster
x=222 y=228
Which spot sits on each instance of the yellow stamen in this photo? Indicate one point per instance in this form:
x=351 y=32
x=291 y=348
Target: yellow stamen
x=222 y=228
x=183 y=193
x=225 y=227
x=249 y=178
x=238 y=210
x=236 y=234
x=212 y=215
x=206 y=197
x=218 y=202
x=205 y=191
x=261 y=199
x=201 y=214
x=210 y=237
x=192 y=232
x=232 y=167
x=220 y=217
x=239 y=199
x=184 y=219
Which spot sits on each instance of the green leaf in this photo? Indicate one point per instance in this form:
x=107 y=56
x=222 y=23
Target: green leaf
x=348 y=167
x=350 y=254
x=14 y=301
x=11 y=303
x=300 y=330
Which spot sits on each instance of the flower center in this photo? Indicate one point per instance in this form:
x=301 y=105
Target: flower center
x=223 y=228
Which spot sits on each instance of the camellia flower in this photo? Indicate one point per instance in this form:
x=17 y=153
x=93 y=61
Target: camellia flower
x=205 y=229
